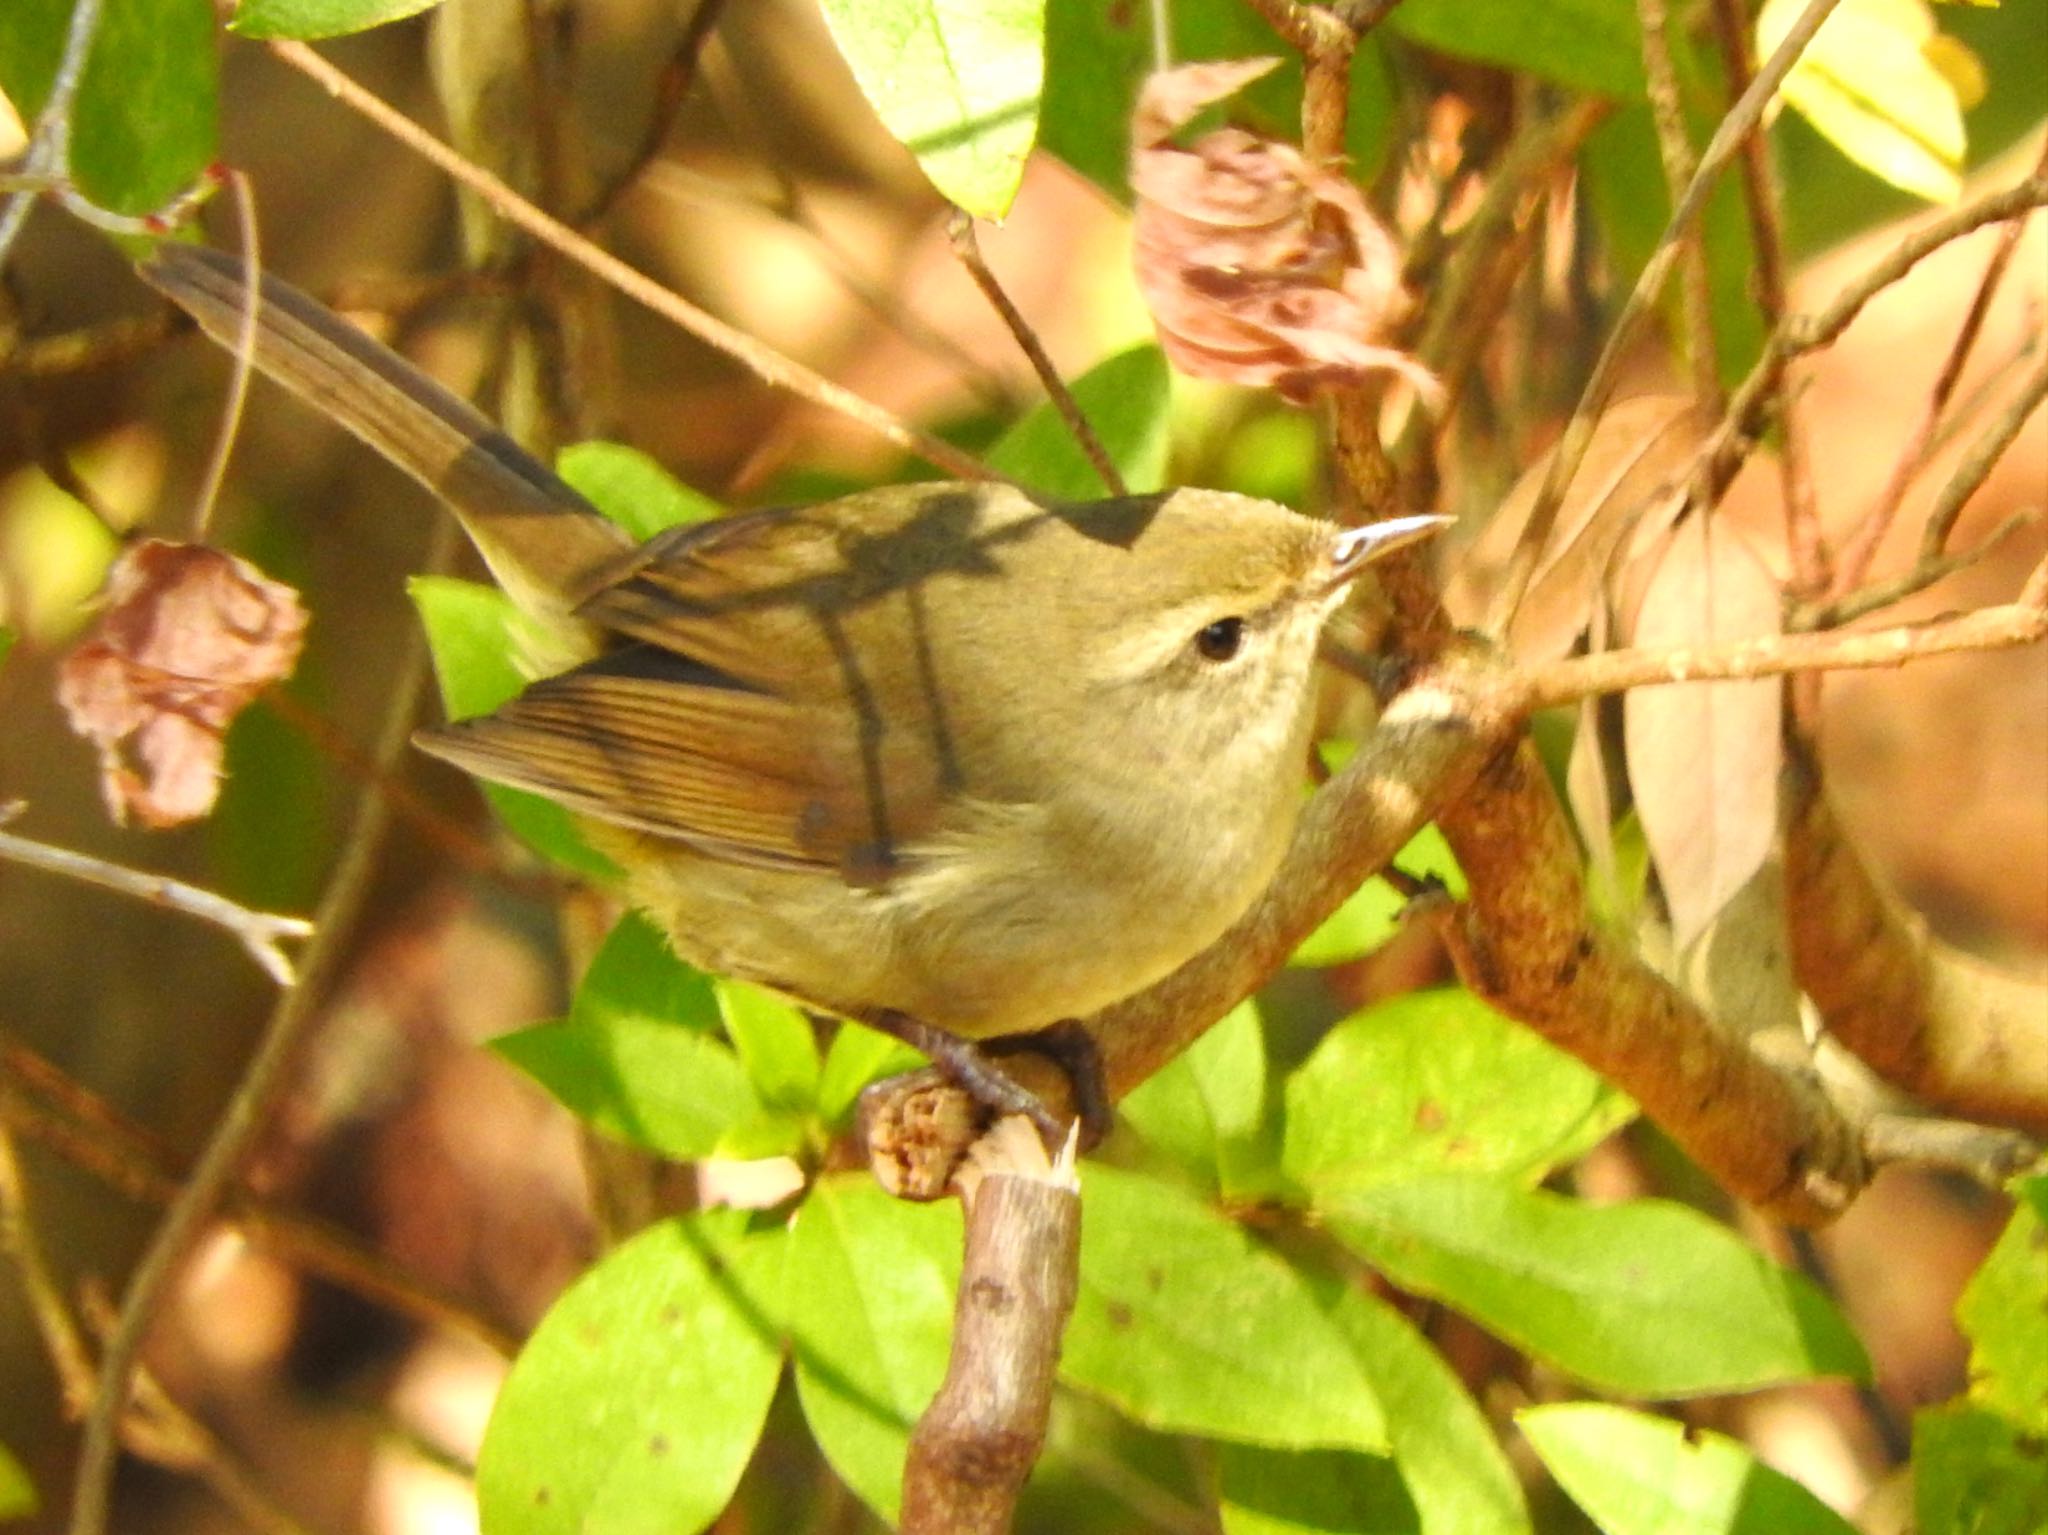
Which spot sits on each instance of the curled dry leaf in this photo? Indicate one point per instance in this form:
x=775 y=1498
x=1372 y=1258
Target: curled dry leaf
x=189 y=636
x=1703 y=757
x=1259 y=267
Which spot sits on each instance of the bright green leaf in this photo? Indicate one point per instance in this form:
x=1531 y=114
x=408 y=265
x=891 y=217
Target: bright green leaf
x=1647 y=1299
x=1437 y=1081
x=1187 y=1325
x=957 y=81
x=635 y=974
x=775 y=1041
x=309 y=19
x=1642 y=1475
x=858 y=1056
x=1372 y=915
x=1594 y=45
x=1976 y=1473
x=479 y=638
x=1206 y=1107
x=631 y=488
x=637 y=1403
x=869 y=1289
x=145 y=120
x=1125 y=399
x=2004 y=1313
x=1873 y=82
x=651 y=1084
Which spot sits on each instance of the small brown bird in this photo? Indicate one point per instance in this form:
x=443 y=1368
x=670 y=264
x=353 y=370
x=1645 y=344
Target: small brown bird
x=951 y=759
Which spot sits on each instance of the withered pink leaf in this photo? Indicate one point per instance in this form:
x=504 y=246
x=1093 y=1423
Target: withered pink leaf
x=1703 y=757
x=188 y=637
x=1259 y=267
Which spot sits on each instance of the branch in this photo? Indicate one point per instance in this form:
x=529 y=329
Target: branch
x=1615 y=671
x=976 y=1443
x=1958 y=1035
x=259 y=932
x=764 y=361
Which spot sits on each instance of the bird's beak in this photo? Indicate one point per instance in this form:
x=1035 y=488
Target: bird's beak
x=1359 y=547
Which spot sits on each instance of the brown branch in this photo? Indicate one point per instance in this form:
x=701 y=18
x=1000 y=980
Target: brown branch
x=1735 y=127
x=975 y=1445
x=1615 y=671
x=764 y=361
x=41 y=1103
x=1960 y=1036
x=290 y=1023
x=1863 y=543
x=1524 y=942
x=1674 y=151
x=960 y=231
x=1917 y=577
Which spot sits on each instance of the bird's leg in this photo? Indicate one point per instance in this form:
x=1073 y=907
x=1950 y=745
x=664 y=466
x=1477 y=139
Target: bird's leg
x=969 y=1068
x=1068 y=1045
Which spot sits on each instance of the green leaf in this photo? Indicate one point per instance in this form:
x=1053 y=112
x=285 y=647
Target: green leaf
x=17 y=1493
x=859 y=1055
x=869 y=1290
x=651 y=1084
x=1206 y=1108
x=1457 y=1480
x=1097 y=54
x=775 y=1041
x=635 y=974
x=631 y=488
x=1643 y=1475
x=1311 y=1492
x=1125 y=399
x=957 y=81
x=637 y=1403
x=1594 y=45
x=310 y=19
x=2004 y=1313
x=1187 y=1325
x=1646 y=1299
x=1372 y=914
x=145 y=120
x=1976 y=1473
x=478 y=638
x=1437 y=1081
x=1872 y=83
x=7 y=638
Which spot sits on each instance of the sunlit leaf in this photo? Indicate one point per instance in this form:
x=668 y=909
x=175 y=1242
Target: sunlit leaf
x=1880 y=83
x=1311 y=1492
x=656 y=1085
x=1206 y=1106
x=957 y=81
x=636 y=1404
x=308 y=19
x=1437 y=1081
x=1125 y=399
x=2004 y=1313
x=1976 y=1472
x=858 y=1056
x=1641 y=1475
x=1648 y=1299
x=775 y=1040
x=1187 y=1325
x=1371 y=915
x=631 y=489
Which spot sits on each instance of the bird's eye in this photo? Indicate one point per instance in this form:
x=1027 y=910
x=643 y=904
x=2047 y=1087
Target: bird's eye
x=1221 y=640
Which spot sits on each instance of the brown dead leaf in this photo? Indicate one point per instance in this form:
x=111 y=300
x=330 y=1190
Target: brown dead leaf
x=189 y=636
x=1259 y=267
x=1703 y=757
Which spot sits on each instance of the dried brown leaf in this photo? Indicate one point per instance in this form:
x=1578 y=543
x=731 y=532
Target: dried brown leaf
x=189 y=636
x=1703 y=757
x=1259 y=266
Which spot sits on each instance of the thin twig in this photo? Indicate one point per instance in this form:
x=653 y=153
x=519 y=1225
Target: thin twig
x=1615 y=671
x=1986 y=1154
x=259 y=932
x=1803 y=538
x=49 y=150
x=1862 y=545
x=671 y=89
x=768 y=364
x=62 y=1338
x=1923 y=573
x=1674 y=151
x=289 y=1023
x=960 y=230
x=1740 y=121
x=242 y=355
